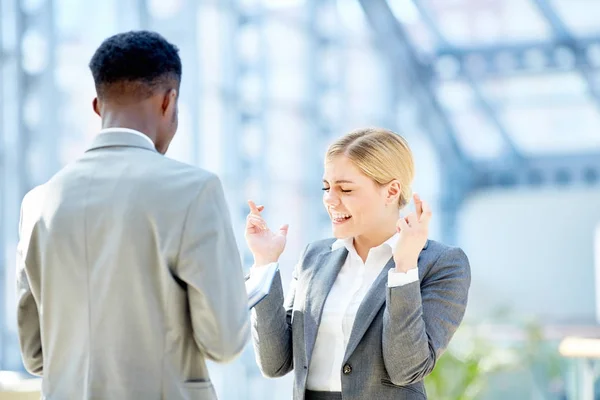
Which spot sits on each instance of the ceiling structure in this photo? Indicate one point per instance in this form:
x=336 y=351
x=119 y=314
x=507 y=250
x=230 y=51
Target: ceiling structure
x=514 y=85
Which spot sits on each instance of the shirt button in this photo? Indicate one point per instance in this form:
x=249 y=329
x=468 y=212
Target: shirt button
x=347 y=369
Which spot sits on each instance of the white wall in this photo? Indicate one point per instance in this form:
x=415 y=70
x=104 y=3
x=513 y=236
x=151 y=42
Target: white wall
x=532 y=250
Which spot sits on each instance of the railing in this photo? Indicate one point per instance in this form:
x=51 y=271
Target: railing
x=585 y=353
x=18 y=386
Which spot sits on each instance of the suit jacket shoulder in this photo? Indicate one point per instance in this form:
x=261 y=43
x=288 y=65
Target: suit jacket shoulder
x=196 y=175
x=437 y=257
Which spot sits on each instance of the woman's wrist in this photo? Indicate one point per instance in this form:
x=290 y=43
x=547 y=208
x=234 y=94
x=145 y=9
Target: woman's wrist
x=404 y=267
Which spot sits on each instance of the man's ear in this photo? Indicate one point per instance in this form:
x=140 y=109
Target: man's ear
x=96 y=106
x=169 y=102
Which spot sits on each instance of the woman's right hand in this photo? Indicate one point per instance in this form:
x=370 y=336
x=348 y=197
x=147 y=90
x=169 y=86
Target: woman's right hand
x=266 y=246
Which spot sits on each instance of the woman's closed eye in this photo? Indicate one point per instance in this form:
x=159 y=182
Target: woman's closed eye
x=326 y=189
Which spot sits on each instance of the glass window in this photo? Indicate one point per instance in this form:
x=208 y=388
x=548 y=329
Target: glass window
x=367 y=102
x=555 y=128
x=287 y=62
x=212 y=146
x=580 y=16
x=543 y=113
x=286 y=146
x=464 y=22
x=211 y=21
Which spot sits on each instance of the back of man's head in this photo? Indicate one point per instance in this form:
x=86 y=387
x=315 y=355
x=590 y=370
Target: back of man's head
x=133 y=65
x=137 y=76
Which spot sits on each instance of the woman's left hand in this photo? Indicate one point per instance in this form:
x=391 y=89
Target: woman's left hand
x=413 y=230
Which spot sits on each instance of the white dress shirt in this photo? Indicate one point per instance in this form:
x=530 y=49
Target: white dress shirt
x=349 y=289
x=109 y=130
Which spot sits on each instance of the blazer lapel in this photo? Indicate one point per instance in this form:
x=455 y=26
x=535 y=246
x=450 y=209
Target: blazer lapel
x=370 y=306
x=327 y=267
x=368 y=309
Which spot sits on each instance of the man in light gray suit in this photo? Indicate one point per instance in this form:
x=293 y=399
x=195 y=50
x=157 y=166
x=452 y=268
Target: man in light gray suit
x=129 y=276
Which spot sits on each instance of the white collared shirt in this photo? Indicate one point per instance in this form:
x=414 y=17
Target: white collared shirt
x=339 y=312
x=109 y=130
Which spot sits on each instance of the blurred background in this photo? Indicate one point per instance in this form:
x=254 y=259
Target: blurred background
x=499 y=100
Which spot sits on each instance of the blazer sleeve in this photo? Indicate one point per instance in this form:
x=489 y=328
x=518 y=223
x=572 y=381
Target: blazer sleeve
x=420 y=318
x=28 y=318
x=210 y=265
x=272 y=328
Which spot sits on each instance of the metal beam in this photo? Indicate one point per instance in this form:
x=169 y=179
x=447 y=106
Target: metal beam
x=3 y=189
x=541 y=171
x=497 y=49
x=323 y=43
x=562 y=33
x=249 y=175
x=416 y=80
x=513 y=155
x=30 y=135
x=515 y=59
x=558 y=26
x=179 y=28
x=430 y=22
x=39 y=129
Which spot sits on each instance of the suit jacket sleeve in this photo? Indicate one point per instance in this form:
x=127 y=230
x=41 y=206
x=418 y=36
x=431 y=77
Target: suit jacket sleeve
x=28 y=319
x=420 y=318
x=209 y=263
x=272 y=328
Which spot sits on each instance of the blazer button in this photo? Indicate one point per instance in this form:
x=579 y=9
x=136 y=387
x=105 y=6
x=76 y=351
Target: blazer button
x=347 y=369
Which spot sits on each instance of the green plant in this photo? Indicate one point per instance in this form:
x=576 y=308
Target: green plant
x=465 y=369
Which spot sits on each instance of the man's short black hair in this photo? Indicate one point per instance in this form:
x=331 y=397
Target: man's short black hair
x=135 y=64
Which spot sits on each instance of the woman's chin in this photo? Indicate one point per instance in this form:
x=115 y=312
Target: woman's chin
x=341 y=232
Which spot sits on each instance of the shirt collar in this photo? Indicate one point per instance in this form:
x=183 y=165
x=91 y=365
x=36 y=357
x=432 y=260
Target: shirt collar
x=127 y=130
x=348 y=243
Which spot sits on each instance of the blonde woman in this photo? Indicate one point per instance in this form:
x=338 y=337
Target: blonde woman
x=370 y=311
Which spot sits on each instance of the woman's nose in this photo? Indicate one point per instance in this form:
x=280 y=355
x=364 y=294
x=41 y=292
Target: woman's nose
x=331 y=199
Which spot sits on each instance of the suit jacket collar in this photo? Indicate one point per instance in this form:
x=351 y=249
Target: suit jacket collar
x=327 y=267
x=121 y=137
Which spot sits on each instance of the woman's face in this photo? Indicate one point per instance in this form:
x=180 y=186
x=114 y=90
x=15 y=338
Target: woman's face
x=355 y=203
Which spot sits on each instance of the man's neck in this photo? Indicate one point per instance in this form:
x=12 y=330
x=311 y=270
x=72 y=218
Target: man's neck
x=129 y=123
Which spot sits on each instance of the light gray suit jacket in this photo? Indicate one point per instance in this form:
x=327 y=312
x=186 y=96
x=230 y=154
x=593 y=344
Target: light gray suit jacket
x=129 y=277
x=398 y=335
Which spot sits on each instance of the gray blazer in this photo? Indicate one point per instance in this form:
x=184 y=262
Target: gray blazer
x=398 y=335
x=129 y=277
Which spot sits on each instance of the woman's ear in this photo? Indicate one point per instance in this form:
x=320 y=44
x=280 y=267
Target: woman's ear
x=394 y=191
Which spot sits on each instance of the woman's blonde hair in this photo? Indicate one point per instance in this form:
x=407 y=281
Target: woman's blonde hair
x=380 y=154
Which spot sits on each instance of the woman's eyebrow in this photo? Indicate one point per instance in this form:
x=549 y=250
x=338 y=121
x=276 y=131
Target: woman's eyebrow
x=338 y=181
